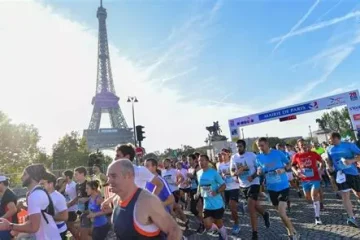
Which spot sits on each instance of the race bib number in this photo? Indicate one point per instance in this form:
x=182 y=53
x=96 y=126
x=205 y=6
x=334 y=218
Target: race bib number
x=340 y=177
x=229 y=179
x=342 y=165
x=273 y=177
x=205 y=191
x=244 y=176
x=169 y=179
x=308 y=172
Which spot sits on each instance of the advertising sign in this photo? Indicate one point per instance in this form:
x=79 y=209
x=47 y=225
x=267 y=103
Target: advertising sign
x=354 y=112
x=351 y=99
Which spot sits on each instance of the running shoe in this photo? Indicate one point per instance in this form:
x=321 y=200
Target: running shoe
x=235 y=229
x=267 y=219
x=318 y=221
x=352 y=222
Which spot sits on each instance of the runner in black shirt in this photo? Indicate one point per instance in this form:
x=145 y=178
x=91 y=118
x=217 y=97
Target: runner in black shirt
x=83 y=202
x=8 y=208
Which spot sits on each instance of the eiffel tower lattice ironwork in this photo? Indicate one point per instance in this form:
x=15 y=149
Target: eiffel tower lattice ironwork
x=105 y=100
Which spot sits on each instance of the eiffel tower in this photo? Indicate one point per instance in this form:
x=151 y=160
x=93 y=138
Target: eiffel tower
x=105 y=100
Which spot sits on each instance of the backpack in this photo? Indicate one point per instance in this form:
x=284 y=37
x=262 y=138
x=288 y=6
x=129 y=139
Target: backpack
x=50 y=208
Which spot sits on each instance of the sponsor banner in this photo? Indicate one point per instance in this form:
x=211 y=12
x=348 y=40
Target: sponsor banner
x=354 y=112
x=289 y=111
x=347 y=98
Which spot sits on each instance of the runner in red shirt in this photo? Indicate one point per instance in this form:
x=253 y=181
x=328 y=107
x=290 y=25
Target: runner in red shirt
x=304 y=165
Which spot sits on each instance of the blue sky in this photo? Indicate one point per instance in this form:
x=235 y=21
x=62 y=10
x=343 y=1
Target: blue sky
x=189 y=62
x=232 y=48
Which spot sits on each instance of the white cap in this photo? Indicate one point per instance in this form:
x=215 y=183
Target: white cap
x=3 y=178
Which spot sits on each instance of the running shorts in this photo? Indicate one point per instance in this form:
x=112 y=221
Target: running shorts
x=185 y=190
x=251 y=192
x=309 y=185
x=214 y=213
x=352 y=182
x=232 y=194
x=280 y=196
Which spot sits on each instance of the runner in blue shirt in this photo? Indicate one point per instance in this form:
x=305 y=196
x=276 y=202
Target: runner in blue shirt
x=165 y=194
x=211 y=185
x=343 y=157
x=273 y=163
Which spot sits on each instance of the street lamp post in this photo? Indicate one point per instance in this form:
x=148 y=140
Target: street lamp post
x=311 y=136
x=133 y=100
x=242 y=131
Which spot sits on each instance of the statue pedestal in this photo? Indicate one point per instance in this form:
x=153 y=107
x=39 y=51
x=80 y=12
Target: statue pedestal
x=216 y=147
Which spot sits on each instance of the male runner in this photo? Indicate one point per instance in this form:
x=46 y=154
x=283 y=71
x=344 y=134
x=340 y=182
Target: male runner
x=304 y=165
x=172 y=177
x=343 y=156
x=195 y=204
x=211 y=185
x=59 y=201
x=165 y=195
x=39 y=207
x=8 y=204
x=142 y=174
x=137 y=214
x=243 y=165
x=71 y=199
x=273 y=163
x=232 y=189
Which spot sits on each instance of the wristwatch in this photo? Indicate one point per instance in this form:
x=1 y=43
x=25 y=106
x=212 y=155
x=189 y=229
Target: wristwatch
x=11 y=226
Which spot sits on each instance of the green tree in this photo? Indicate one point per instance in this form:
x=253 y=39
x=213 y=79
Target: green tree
x=70 y=151
x=337 y=121
x=18 y=145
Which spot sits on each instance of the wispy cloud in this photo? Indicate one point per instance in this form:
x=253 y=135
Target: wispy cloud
x=342 y=89
x=330 y=10
x=223 y=99
x=318 y=26
x=329 y=65
x=185 y=42
x=296 y=26
x=176 y=76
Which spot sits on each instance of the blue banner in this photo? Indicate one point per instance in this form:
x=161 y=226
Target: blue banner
x=288 y=111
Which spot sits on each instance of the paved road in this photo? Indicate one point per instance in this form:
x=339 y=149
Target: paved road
x=302 y=214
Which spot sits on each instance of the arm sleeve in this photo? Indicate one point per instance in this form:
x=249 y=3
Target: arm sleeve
x=354 y=149
x=61 y=204
x=145 y=174
x=37 y=201
x=283 y=158
x=219 y=179
x=232 y=162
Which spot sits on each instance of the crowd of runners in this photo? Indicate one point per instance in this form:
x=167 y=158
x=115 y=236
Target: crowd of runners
x=148 y=201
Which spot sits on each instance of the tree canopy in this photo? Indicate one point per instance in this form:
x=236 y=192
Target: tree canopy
x=337 y=121
x=70 y=151
x=19 y=146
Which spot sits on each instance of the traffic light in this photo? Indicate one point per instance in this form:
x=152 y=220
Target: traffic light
x=140 y=133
